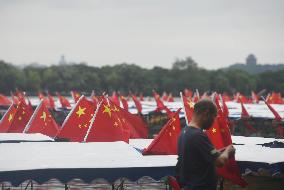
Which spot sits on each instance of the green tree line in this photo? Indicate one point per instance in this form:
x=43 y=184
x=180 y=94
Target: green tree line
x=185 y=73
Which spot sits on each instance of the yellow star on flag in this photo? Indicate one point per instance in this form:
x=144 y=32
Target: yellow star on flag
x=115 y=109
x=107 y=110
x=10 y=117
x=214 y=130
x=81 y=111
x=115 y=124
x=191 y=104
x=43 y=116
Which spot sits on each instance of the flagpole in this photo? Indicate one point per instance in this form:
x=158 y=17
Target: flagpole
x=71 y=112
x=7 y=112
x=184 y=108
x=92 y=121
x=32 y=117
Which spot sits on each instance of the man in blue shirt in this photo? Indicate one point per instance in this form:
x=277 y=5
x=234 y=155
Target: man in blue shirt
x=197 y=157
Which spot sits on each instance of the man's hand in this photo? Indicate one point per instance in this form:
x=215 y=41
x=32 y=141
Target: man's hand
x=231 y=150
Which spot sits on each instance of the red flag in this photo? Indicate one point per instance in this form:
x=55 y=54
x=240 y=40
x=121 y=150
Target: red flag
x=4 y=101
x=226 y=97
x=188 y=108
x=220 y=136
x=22 y=117
x=107 y=125
x=138 y=128
x=141 y=97
x=63 y=101
x=51 y=101
x=124 y=102
x=78 y=120
x=40 y=95
x=75 y=95
x=255 y=98
x=42 y=122
x=7 y=119
x=165 y=96
x=278 y=118
x=225 y=108
x=171 y=98
x=15 y=99
x=165 y=143
x=244 y=116
x=161 y=106
x=137 y=104
x=45 y=100
x=115 y=99
x=239 y=97
x=187 y=93
x=94 y=98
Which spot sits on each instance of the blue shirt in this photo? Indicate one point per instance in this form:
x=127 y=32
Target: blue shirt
x=195 y=168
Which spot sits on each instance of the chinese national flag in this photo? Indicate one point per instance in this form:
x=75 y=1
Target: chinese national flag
x=115 y=99
x=161 y=106
x=188 y=108
x=107 y=125
x=124 y=102
x=42 y=122
x=78 y=120
x=165 y=142
x=4 y=101
x=22 y=117
x=94 y=98
x=141 y=97
x=51 y=101
x=15 y=99
x=254 y=96
x=225 y=108
x=45 y=100
x=244 y=116
x=7 y=119
x=278 y=118
x=188 y=93
x=242 y=98
x=137 y=104
x=63 y=101
x=138 y=128
x=220 y=136
x=226 y=97
x=75 y=95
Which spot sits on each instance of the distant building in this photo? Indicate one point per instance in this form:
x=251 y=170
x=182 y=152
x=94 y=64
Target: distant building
x=251 y=66
x=251 y=60
x=62 y=60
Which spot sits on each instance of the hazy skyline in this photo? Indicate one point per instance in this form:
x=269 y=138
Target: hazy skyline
x=145 y=32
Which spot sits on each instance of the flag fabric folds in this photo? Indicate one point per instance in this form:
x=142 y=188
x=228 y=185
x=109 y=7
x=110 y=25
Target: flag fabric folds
x=107 y=125
x=63 y=101
x=220 y=136
x=137 y=104
x=22 y=117
x=278 y=118
x=42 y=122
x=75 y=125
x=124 y=102
x=244 y=116
x=76 y=95
x=8 y=118
x=188 y=106
x=165 y=143
x=4 y=101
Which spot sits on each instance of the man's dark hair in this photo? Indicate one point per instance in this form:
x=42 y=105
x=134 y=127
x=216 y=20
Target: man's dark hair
x=205 y=105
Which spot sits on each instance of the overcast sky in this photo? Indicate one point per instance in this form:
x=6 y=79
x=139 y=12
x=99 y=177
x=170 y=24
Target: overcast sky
x=215 y=33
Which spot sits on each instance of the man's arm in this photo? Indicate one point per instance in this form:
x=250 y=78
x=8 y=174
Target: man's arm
x=223 y=158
